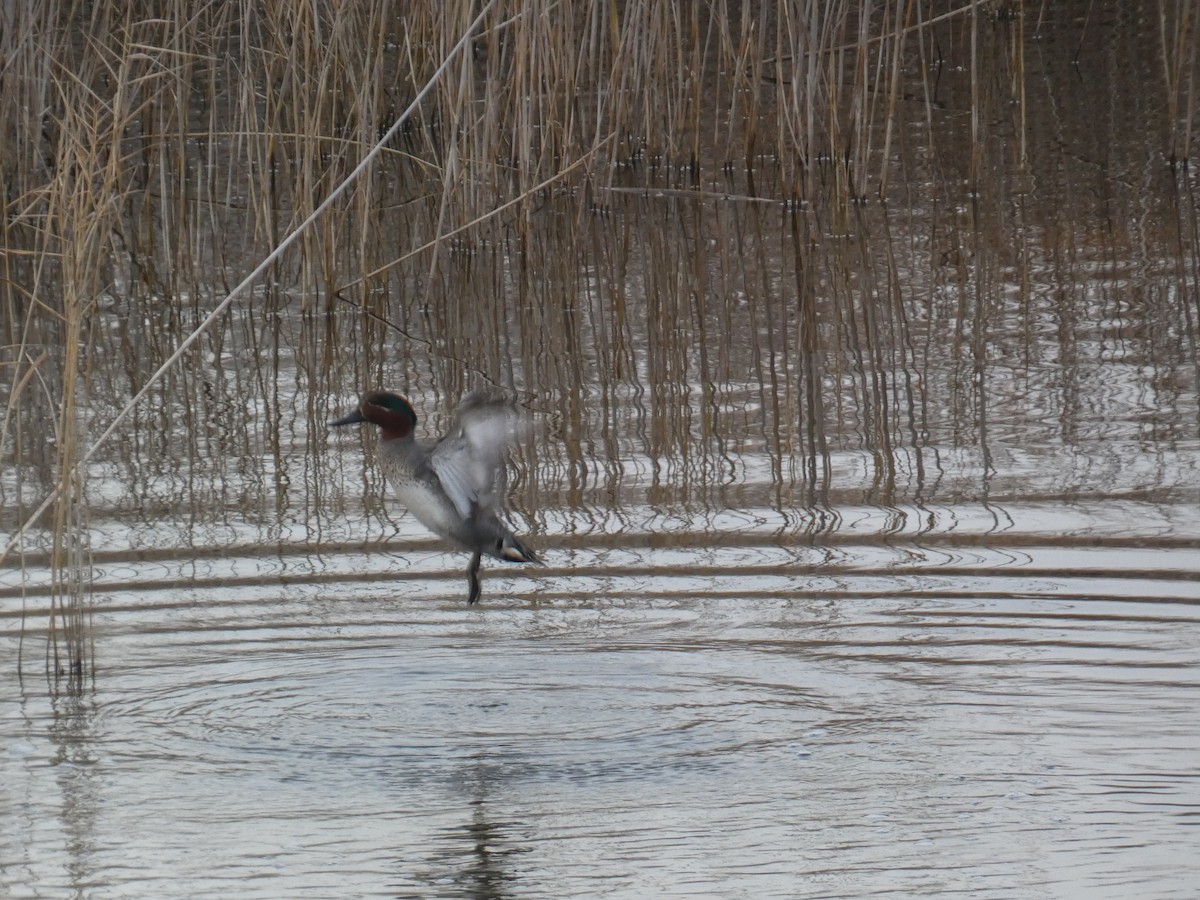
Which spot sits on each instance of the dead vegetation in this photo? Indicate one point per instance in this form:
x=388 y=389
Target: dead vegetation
x=154 y=155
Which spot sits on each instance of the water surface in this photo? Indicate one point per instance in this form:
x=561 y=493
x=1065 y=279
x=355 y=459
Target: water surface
x=871 y=532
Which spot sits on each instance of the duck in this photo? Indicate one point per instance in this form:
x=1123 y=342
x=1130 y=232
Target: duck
x=450 y=485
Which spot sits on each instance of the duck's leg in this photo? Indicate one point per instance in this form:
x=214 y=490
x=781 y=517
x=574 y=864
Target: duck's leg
x=473 y=579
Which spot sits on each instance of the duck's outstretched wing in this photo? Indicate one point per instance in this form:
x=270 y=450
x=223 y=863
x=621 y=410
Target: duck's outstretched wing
x=469 y=459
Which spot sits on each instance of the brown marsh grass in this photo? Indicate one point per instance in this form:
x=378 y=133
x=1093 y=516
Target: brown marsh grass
x=156 y=155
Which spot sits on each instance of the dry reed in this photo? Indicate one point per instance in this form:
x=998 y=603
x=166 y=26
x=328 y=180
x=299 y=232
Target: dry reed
x=155 y=154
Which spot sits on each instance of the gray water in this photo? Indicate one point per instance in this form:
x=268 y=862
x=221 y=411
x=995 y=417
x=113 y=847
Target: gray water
x=872 y=544
x=1008 y=717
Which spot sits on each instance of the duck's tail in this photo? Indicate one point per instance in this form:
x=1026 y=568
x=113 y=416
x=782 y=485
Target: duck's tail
x=512 y=550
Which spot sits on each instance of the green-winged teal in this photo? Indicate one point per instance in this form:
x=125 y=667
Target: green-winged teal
x=450 y=486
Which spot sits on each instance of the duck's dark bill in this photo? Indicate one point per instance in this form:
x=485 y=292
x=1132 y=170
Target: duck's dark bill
x=353 y=419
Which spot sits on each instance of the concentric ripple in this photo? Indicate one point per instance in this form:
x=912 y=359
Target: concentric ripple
x=782 y=729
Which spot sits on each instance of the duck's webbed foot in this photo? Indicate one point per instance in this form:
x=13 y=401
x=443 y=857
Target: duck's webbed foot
x=473 y=579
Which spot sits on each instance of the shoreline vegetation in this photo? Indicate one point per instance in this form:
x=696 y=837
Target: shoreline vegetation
x=166 y=164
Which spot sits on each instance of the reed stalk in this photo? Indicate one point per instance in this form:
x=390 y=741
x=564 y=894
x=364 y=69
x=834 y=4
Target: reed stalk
x=397 y=172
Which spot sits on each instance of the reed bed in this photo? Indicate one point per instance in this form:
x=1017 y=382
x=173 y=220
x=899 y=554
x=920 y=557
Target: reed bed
x=154 y=154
